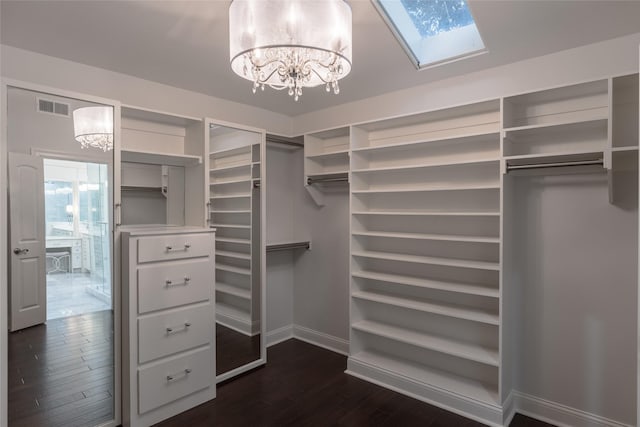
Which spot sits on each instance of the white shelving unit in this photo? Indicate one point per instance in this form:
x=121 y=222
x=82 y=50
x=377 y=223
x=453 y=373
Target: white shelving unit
x=162 y=155
x=566 y=122
x=234 y=164
x=326 y=161
x=425 y=256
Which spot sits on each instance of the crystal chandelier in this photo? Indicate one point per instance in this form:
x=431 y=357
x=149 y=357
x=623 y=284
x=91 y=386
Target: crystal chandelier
x=290 y=44
x=93 y=127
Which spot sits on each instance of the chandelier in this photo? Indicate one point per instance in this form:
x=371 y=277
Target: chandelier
x=290 y=44
x=93 y=127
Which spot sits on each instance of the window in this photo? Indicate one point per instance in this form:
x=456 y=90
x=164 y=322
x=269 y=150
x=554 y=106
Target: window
x=433 y=31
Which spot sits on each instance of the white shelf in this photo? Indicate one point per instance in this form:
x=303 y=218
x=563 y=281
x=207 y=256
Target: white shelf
x=231 y=151
x=232 y=312
x=230 y=167
x=240 y=211
x=333 y=154
x=230 y=254
x=449 y=310
x=238 y=226
x=232 y=240
x=230 y=181
x=449 y=262
x=233 y=290
x=425 y=236
x=463 y=288
x=465 y=187
x=475 y=353
x=426 y=213
x=231 y=196
x=422 y=141
x=623 y=149
x=543 y=127
x=444 y=380
x=135 y=156
x=232 y=269
x=427 y=165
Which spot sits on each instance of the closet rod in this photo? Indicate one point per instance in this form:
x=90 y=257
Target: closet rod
x=556 y=164
x=294 y=142
x=287 y=246
x=256 y=184
x=327 y=179
x=141 y=189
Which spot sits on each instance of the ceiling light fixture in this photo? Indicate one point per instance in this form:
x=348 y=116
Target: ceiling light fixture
x=93 y=127
x=290 y=44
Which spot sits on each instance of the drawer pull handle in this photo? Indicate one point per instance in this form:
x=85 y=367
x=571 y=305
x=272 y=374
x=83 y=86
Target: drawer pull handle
x=169 y=282
x=184 y=328
x=179 y=375
x=171 y=248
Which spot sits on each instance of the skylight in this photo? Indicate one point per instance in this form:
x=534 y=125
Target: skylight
x=432 y=31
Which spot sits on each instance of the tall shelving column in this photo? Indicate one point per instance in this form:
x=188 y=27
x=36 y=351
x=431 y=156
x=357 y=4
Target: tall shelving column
x=425 y=257
x=234 y=167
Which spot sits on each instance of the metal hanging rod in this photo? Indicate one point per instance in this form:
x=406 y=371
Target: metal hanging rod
x=597 y=162
x=312 y=180
x=256 y=184
x=287 y=246
x=293 y=142
x=141 y=189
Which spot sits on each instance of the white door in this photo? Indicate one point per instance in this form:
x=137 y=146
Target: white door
x=28 y=290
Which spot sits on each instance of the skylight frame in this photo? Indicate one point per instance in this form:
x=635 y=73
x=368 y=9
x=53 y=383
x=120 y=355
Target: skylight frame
x=410 y=52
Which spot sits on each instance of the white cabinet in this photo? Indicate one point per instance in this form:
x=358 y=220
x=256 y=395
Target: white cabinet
x=168 y=321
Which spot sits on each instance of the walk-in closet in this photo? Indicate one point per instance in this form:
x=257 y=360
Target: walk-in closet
x=336 y=212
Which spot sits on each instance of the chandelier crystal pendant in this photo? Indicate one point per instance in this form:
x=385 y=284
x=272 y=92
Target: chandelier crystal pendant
x=290 y=44
x=93 y=127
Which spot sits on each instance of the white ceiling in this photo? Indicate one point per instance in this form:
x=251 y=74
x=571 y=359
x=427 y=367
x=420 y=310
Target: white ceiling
x=185 y=43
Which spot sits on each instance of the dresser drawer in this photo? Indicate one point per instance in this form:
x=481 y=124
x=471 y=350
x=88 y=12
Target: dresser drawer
x=163 y=286
x=174 y=246
x=168 y=333
x=176 y=378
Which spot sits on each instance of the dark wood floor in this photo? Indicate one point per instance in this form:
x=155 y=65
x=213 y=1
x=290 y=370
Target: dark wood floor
x=304 y=385
x=234 y=349
x=61 y=373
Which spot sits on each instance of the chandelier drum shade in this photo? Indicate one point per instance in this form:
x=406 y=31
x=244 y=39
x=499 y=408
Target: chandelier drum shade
x=290 y=44
x=93 y=127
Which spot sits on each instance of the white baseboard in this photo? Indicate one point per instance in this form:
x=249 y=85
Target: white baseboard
x=558 y=414
x=452 y=402
x=321 y=339
x=237 y=325
x=509 y=409
x=279 y=335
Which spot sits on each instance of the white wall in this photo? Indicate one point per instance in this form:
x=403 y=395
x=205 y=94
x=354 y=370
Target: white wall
x=67 y=75
x=576 y=316
x=28 y=128
x=321 y=293
x=280 y=213
x=592 y=62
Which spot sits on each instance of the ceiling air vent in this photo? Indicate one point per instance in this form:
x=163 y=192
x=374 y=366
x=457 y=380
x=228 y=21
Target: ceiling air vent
x=51 y=107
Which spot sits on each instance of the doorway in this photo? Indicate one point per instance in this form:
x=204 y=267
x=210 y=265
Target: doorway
x=78 y=261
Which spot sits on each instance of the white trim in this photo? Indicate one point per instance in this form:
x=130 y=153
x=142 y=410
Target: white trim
x=508 y=409
x=237 y=371
x=4 y=272
x=452 y=402
x=320 y=339
x=279 y=335
x=558 y=414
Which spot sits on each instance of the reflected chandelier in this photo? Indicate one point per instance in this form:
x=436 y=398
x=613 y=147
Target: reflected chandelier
x=290 y=44
x=93 y=127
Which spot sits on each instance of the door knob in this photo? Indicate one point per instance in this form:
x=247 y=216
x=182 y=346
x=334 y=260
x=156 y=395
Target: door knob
x=19 y=251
